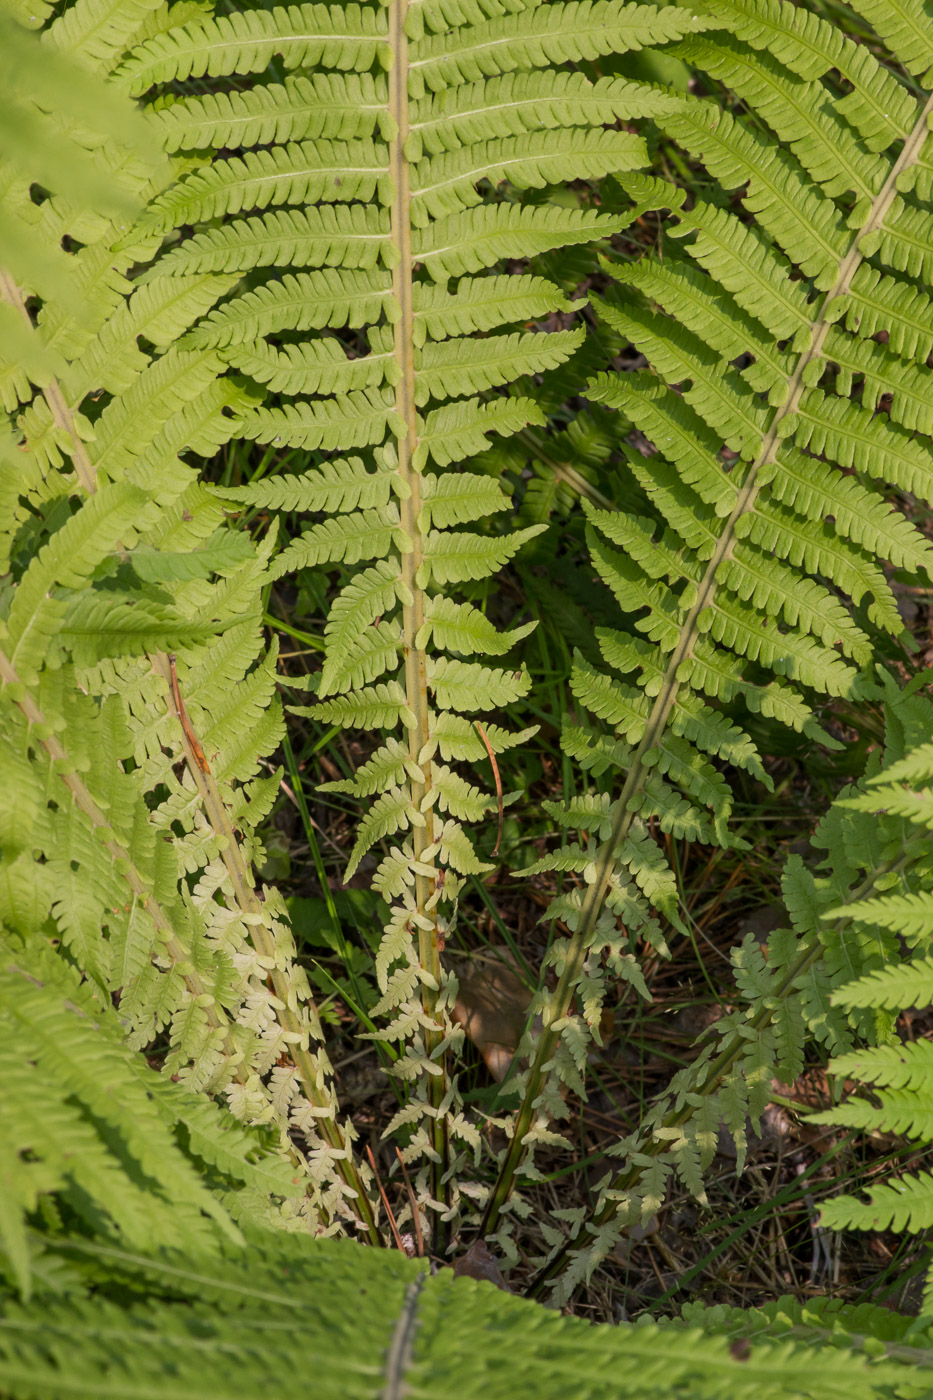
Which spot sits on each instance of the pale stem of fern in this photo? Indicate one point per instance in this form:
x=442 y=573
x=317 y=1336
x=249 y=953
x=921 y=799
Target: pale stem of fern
x=596 y=893
x=416 y=688
x=713 y=1073
x=261 y=937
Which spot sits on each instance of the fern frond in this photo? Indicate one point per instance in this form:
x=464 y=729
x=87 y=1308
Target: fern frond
x=356 y=237
x=528 y=102
x=905 y=1204
x=456 y=367
x=539 y=37
x=897 y=1074
x=901 y=1066
x=183 y=1323
x=446 y=182
x=337 y=485
x=460 y=499
x=742 y=326
x=904 y=30
x=333 y=106
x=390 y=147
x=145 y=881
x=297 y=173
x=482 y=305
x=333 y=36
x=462 y=628
x=297 y=302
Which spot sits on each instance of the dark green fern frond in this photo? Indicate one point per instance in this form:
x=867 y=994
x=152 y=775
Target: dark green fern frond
x=737 y=586
x=896 y=800
x=863 y=1328
x=241 y=1326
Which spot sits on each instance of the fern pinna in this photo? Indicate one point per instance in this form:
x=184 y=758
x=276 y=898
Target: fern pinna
x=384 y=151
x=764 y=492
x=119 y=844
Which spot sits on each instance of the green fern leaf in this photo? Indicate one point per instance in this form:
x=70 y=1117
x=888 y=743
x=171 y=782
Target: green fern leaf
x=892 y=987
x=453 y=557
x=583 y=29
x=334 y=36
x=336 y=485
x=354 y=199
x=373 y=707
x=464 y=629
x=460 y=499
x=464 y=685
x=451 y=368
x=906 y=1204
x=478 y=238
x=764 y=401
x=335 y=106
x=354 y=237
x=298 y=302
x=481 y=305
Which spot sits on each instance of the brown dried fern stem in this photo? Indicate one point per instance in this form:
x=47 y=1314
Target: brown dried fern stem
x=758 y=476
x=218 y=817
x=416 y=686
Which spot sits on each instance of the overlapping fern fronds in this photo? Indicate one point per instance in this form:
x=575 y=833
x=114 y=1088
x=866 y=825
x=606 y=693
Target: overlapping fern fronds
x=753 y=577
x=83 y=1115
x=828 y=1324
x=370 y=197
x=812 y=982
x=130 y=793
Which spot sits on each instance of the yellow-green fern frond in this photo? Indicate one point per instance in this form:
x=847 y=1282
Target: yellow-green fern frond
x=131 y=643
x=371 y=205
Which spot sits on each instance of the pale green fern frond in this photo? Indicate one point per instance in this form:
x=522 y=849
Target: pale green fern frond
x=389 y=174
x=118 y=555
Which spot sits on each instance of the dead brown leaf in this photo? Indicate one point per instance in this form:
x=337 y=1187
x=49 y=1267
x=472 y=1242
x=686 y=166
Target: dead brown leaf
x=480 y=1262
x=491 y=1006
